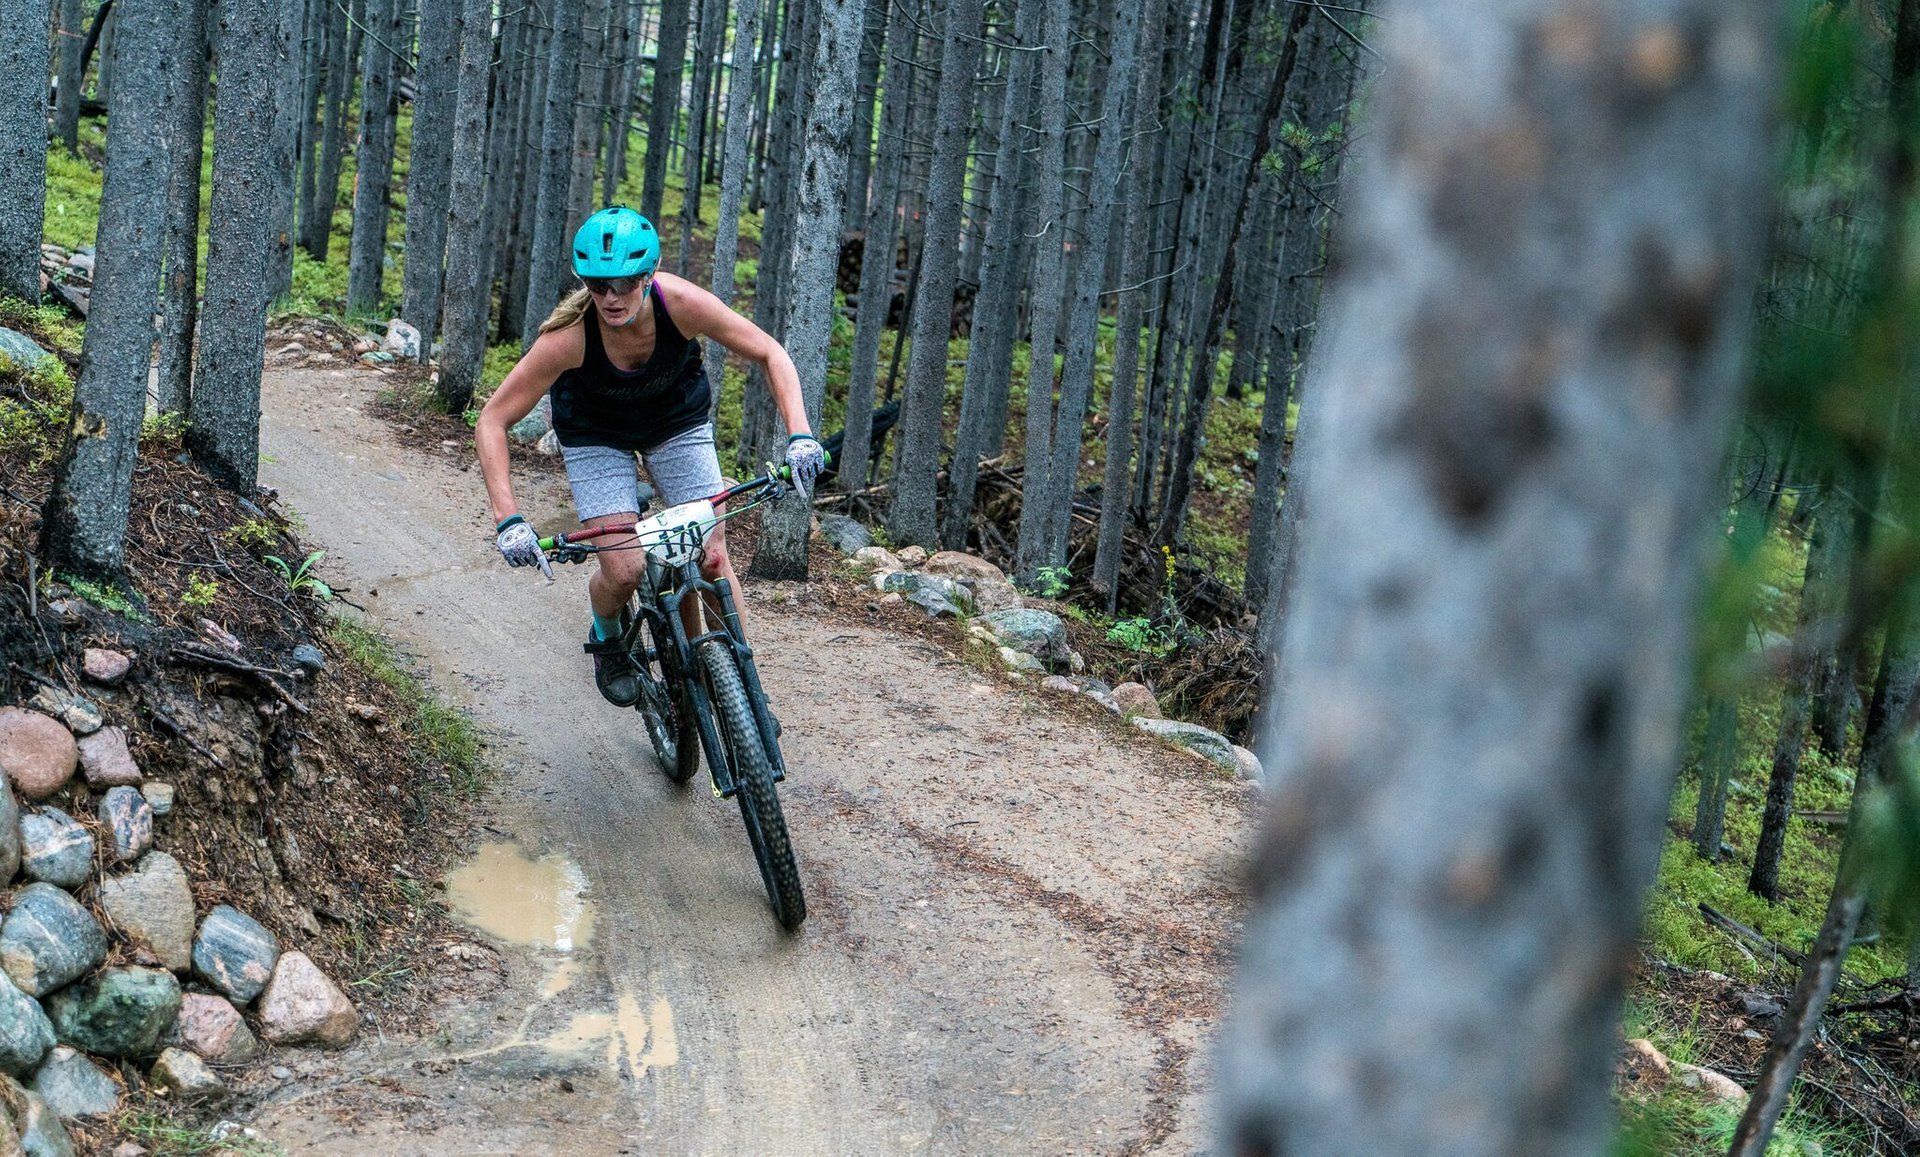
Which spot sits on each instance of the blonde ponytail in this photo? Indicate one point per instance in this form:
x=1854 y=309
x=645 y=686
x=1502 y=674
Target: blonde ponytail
x=571 y=309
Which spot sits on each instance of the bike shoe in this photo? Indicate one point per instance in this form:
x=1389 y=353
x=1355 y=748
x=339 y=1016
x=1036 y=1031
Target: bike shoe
x=613 y=672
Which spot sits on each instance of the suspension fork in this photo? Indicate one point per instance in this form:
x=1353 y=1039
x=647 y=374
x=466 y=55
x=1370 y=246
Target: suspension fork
x=693 y=583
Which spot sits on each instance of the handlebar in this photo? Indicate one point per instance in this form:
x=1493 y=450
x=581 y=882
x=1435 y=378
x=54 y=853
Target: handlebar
x=774 y=481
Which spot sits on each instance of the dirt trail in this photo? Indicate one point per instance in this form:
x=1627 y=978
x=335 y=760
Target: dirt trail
x=1020 y=922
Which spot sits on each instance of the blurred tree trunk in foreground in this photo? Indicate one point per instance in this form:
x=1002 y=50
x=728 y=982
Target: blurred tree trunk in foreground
x=1535 y=350
x=23 y=144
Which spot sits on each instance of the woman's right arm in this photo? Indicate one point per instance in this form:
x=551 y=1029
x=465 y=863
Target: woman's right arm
x=551 y=355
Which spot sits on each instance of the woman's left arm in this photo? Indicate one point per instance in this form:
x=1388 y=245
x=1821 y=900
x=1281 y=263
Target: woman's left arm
x=698 y=313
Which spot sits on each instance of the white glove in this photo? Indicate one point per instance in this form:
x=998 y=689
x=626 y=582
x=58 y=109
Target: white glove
x=520 y=546
x=805 y=457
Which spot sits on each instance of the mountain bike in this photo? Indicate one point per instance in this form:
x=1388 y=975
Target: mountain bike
x=699 y=688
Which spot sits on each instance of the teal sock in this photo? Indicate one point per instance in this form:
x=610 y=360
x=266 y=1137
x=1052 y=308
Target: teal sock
x=605 y=627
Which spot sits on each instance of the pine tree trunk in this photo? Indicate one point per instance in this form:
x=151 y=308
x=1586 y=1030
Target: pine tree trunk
x=1049 y=274
x=288 y=87
x=669 y=66
x=181 y=262
x=878 y=245
x=70 y=34
x=733 y=178
x=319 y=33
x=223 y=428
x=873 y=33
x=23 y=145
x=519 y=254
x=713 y=23
x=373 y=157
x=917 y=447
x=507 y=87
x=819 y=196
x=588 y=106
x=1488 y=659
x=436 y=85
x=625 y=82
x=85 y=515
x=316 y=233
x=548 y=262
x=469 y=283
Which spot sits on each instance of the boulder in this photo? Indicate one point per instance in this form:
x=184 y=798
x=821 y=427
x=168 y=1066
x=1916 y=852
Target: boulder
x=1103 y=698
x=159 y=796
x=40 y=1133
x=186 y=1077
x=80 y=715
x=847 y=535
x=301 y=1006
x=212 y=1027
x=104 y=666
x=913 y=556
x=73 y=1086
x=1059 y=683
x=19 y=351
x=234 y=954
x=935 y=594
x=1710 y=1085
x=154 y=907
x=48 y=940
x=127 y=815
x=1022 y=662
x=1136 y=699
x=38 y=752
x=991 y=589
x=879 y=558
x=402 y=339
x=1195 y=738
x=1037 y=633
x=310 y=659
x=106 y=760
x=1248 y=764
x=118 y=1012
x=25 y=1032
x=55 y=848
x=531 y=428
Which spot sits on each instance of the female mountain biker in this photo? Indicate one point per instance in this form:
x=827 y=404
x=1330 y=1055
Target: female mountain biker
x=621 y=357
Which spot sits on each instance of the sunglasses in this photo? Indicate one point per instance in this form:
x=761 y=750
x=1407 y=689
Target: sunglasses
x=618 y=286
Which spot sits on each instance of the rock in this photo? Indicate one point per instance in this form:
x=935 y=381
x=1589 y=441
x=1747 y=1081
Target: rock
x=932 y=602
x=301 y=1006
x=25 y=1032
x=154 y=907
x=549 y=444
x=118 y=1012
x=80 y=263
x=220 y=637
x=48 y=940
x=20 y=352
x=402 y=339
x=130 y=1149
x=104 y=666
x=55 y=848
x=1038 y=633
x=126 y=813
x=293 y=351
x=212 y=1027
x=1059 y=683
x=1104 y=699
x=1194 y=738
x=310 y=659
x=1757 y=1005
x=186 y=1077
x=879 y=558
x=9 y=832
x=38 y=753
x=234 y=954
x=1136 y=699
x=73 y=1086
x=80 y=716
x=891 y=600
x=991 y=589
x=913 y=556
x=40 y=1132
x=531 y=428
x=1022 y=662
x=159 y=796
x=941 y=590
x=105 y=760
x=1711 y=1085
x=1248 y=764
x=847 y=535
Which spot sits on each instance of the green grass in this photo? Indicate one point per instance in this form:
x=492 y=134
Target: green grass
x=436 y=731
x=165 y=1137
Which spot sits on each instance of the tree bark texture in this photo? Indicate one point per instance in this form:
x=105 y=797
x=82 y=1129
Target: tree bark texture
x=469 y=281
x=180 y=309
x=733 y=177
x=223 y=430
x=668 y=69
x=85 y=517
x=712 y=27
x=873 y=33
x=316 y=233
x=917 y=445
x=23 y=144
x=548 y=260
x=373 y=158
x=819 y=196
x=1488 y=657
x=70 y=37
x=436 y=87
x=287 y=115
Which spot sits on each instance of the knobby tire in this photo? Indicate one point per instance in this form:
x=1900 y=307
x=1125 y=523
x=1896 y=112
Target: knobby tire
x=753 y=777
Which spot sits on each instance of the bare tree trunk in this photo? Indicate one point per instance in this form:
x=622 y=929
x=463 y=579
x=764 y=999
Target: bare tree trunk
x=547 y=263
x=713 y=22
x=287 y=115
x=917 y=447
x=317 y=226
x=468 y=282
x=373 y=158
x=181 y=262
x=223 y=428
x=819 y=196
x=668 y=68
x=436 y=86
x=588 y=105
x=70 y=34
x=1486 y=665
x=23 y=158
x=873 y=31
x=533 y=104
x=625 y=82
x=85 y=517
x=315 y=48
x=733 y=177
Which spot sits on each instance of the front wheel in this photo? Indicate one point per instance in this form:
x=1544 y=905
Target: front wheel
x=753 y=781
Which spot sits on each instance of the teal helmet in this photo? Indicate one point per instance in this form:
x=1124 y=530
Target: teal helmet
x=615 y=242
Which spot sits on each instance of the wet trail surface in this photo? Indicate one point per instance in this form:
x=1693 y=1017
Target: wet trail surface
x=1020 y=926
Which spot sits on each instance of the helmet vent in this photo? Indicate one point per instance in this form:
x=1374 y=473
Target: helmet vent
x=606 y=242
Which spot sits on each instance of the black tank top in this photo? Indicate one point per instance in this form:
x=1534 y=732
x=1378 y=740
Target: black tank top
x=599 y=404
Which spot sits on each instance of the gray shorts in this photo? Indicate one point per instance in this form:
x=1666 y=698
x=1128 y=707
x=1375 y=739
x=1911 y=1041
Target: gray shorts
x=683 y=468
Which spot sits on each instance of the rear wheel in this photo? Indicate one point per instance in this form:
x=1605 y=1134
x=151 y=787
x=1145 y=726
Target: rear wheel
x=662 y=705
x=753 y=779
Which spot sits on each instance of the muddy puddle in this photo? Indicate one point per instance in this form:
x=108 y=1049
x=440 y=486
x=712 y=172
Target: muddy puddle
x=539 y=903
